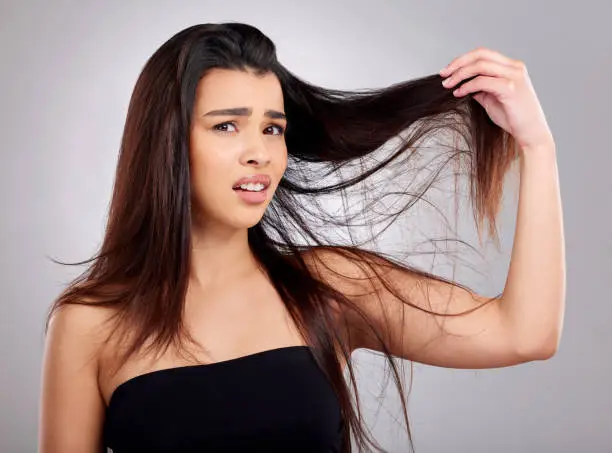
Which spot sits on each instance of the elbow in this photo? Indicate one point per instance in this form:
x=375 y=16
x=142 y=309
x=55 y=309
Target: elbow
x=541 y=350
x=545 y=352
x=537 y=341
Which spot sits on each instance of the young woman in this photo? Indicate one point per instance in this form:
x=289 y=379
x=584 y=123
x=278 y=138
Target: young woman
x=204 y=325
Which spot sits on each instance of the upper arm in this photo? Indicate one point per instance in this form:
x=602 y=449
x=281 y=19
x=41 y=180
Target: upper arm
x=71 y=406
x=478 y=339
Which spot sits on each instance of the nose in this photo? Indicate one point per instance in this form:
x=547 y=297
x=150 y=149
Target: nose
x=256 y=151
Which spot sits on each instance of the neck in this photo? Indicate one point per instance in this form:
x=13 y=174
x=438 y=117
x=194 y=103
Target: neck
x=220 y=257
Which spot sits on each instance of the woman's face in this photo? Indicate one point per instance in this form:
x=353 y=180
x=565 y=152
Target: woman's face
x=226 y=146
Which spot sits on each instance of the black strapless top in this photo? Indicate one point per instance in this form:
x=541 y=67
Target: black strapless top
x=269 y=401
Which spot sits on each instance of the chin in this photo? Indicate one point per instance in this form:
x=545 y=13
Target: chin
x=241 y=219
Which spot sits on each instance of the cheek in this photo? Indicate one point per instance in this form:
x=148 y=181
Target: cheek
x=210 y=191
x=210 y=175
x=209 y=156
x=283 y=159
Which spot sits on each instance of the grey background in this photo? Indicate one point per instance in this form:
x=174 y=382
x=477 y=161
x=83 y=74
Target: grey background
x=67 y=71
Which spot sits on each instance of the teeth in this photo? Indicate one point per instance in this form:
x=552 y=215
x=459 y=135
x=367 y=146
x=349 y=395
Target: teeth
x=256 y=187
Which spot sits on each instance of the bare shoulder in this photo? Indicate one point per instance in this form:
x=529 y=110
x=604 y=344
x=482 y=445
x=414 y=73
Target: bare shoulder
x=85 y=321
x=71 y=408
x=344 y=271
x=78 y=330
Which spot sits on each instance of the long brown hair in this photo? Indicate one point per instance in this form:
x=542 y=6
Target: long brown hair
x=141 y=269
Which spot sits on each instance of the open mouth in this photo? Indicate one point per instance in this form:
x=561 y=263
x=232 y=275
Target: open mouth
x=252 y=196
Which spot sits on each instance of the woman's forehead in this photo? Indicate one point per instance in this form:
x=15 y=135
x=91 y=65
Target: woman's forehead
x=225 y=88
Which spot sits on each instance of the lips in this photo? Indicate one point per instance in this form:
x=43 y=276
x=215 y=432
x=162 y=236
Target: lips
x=254 y=179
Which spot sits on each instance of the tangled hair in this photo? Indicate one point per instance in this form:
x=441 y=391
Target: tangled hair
x=142 y=267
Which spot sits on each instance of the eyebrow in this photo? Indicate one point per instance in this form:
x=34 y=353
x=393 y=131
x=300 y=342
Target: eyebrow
x=245 y=111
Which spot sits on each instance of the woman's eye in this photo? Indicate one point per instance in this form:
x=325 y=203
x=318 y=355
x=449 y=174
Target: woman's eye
x=221 y=127
x=280 y=129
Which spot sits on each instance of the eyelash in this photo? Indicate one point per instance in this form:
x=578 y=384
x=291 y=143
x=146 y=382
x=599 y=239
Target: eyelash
x=281 y=129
